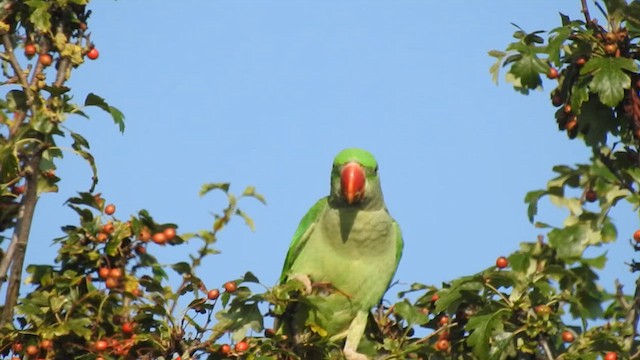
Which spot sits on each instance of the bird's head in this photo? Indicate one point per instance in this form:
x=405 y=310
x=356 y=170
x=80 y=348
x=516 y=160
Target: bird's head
x=354 y=179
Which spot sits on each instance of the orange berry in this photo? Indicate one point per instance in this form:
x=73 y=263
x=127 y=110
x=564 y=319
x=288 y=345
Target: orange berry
x=115 y=273
x=100 y=345
x=242 y=346
x=145 y=235
x=102 y=237
x=110 y=209
x=111 y=283
x=552 y=73
x=567 y=336
x=225 y=349
x=170 y=233
x=103 y=272
x=230 y=286
x=46 y=344
x=636 y=236
x=159 y=238
x=444 y=320
x=29 y=50
x=443 y=345
x=213 y=294
x=45 y=59
x=32 y=350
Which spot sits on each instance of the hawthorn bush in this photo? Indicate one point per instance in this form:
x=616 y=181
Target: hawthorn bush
x=107 y=297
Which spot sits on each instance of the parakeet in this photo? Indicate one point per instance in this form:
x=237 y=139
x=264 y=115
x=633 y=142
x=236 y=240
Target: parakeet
x=345 y=251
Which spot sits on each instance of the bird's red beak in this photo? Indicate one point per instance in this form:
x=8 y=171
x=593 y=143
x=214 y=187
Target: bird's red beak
x=352 y=180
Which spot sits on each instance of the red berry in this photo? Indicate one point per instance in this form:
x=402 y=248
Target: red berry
x=140 y=250
x=557 y=100
x=29 y=50
x=170 y=233
x=442 y=345
x=502 y=262
x=567 y=336
x=103 y=272
x=18 y=190
x=242 y=346
x=159 y=238
x=230 y=286
x=581 y=61
x=225 y=349
x=444 y=320
x=435 y=297
x=213 y=294
x=100 y=345
x=636 y=236
x=128 y=327
x=552 y=73
x=591 y=196
x=611 y=355
x=110 y=209
x=16 y=347
x=93 y=54
x=45 y=59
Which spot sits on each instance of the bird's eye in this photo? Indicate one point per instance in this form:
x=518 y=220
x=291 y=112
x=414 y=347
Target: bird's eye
x=376 y=169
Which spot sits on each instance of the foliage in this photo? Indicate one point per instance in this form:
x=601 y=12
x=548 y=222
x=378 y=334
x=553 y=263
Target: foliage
x=108 y=297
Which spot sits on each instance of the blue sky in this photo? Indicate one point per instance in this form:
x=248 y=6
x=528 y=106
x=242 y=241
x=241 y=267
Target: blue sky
x=266 y=93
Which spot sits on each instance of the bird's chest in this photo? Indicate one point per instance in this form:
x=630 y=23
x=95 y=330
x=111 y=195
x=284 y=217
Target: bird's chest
x=347 y=247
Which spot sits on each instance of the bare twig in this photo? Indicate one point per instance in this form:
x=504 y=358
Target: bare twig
x=546 y=348
x=585 y=11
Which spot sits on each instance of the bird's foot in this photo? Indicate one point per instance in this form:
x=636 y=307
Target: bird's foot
x=353 y=355
x=305 y=281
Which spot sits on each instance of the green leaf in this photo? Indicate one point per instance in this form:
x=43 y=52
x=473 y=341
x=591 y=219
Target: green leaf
x=528 y=70
x=598 y=120
x=482 y=328
x=250 y=191
x=95 y=100
x=182 y=268
x=494 y=70
x=532 y=199
x=40 y=16
x=568 y=241
x=206 y=188
x=609 y=79
x=247 y=219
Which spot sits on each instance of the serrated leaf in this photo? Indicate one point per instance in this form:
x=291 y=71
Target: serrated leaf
x=482 y=328
x=609 y=79
x=40 y=16
x=528 y=70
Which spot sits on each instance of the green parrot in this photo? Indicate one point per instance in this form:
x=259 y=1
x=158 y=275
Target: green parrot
x=345 y=252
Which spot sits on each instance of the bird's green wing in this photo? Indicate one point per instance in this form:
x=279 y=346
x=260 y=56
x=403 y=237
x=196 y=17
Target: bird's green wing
x=301 y=235
x=399 y=242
